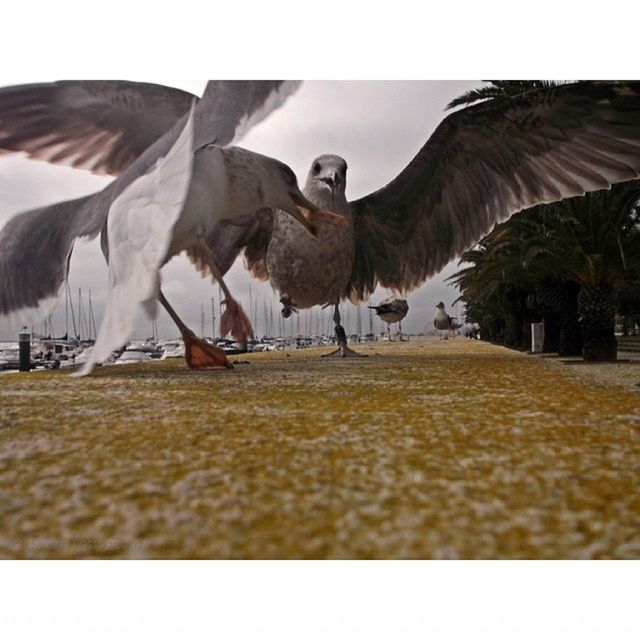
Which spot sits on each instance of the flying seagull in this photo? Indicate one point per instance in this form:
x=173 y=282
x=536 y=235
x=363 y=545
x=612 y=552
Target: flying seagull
x=149 y=223
x=390 y=311
x=481 y=165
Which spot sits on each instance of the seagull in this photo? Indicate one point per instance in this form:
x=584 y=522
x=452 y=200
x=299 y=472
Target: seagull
x=392 y=310
x=169 y=199
x=442 y=321
x=482 y=164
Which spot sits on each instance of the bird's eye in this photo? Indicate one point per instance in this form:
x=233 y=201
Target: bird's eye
x=316 y=167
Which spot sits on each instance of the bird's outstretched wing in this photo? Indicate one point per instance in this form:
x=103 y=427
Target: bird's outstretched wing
x=89 y=124
x=139 y=230
x=483 y=164
x=229 y=108
x=104 y=125
x=35 y=248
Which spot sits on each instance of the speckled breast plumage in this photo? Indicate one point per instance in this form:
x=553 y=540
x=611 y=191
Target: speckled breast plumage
x=310 y=271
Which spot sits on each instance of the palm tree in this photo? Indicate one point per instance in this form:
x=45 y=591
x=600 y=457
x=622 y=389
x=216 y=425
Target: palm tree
x=574 y=254
x=594 y=241
x=495 y=293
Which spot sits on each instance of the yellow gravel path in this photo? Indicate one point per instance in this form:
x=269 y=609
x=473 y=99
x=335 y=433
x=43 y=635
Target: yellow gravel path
x=442 y=449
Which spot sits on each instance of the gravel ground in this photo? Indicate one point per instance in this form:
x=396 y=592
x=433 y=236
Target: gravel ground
x=436 y=449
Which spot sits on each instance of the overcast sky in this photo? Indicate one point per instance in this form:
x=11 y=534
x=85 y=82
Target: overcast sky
x=376 y=126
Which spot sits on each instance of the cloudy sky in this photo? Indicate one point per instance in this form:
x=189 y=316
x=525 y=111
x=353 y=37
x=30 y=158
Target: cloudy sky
x=376 y=126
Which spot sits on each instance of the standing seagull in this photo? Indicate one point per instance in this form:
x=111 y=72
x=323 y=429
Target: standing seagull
x=482 y=164
x=392 y=310
x=150 y=223
x=442 y=321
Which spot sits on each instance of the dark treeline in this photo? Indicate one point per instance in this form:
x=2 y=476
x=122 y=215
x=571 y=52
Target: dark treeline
x=573 y=265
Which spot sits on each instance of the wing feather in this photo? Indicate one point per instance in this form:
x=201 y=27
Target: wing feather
x=97 y=125
x=250 y=234
x=103 y=126
x=485 y=163
x=35 y=248
x=139 y=229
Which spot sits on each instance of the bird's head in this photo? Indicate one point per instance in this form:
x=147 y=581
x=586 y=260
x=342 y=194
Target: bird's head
x=440 y=305
x=327 y=180
x=268 y=183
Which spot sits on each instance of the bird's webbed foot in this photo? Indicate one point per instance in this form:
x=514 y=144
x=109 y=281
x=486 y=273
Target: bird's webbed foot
x=235 y=321
x=200 y=354
x=343 y=351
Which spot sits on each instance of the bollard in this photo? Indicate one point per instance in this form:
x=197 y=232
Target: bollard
x=24 y=343
x=537 y=337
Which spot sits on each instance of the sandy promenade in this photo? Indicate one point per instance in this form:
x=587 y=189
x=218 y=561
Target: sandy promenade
x=440 y=449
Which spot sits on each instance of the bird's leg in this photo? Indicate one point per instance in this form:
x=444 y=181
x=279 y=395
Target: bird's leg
x=197 y=352
x=234 y=320
x=389 y=331
x=400 y=338
x=343 y=350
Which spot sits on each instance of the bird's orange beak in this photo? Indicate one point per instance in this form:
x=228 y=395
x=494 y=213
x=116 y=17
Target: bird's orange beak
x=308 y=214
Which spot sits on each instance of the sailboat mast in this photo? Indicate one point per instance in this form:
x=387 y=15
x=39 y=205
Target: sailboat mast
x=213 y=319
x=80 y=312
x=220 y=310
x=92 y=320
x=73 y=315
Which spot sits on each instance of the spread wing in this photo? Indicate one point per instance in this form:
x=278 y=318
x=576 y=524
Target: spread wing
x=97 y=125
x=139 y=230
x=35 y=248
x=104 y=125
x=483 y=164
x=228 y=109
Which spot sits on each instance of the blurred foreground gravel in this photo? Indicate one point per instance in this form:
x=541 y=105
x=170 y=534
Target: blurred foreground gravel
x=436 y=449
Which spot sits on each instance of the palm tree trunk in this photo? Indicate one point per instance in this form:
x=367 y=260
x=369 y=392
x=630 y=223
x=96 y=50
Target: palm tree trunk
x=596 y=308
x=551 y=333
x=526 y=332
x=570 y=342
x=549 y=295
x=511 y=326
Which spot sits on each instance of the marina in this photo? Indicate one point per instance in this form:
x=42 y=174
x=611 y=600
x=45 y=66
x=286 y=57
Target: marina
x=49 y=354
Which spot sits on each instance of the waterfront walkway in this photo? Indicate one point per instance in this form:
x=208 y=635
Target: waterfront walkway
x=436 y=449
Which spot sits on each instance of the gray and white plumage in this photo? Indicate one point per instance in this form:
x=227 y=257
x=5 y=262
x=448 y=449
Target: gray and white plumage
x=442 y=321
x=35 y=246
x=316 y=272
x=140 y=228
x=391 y=310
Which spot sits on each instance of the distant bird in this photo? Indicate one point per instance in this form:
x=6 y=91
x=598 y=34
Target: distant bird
x=390 y=311
x=168 y=200
x=482 y=164
x=443 y=321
